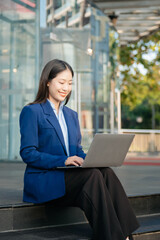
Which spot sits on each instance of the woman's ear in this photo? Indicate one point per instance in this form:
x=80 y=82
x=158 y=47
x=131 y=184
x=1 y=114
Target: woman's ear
x=48 y=84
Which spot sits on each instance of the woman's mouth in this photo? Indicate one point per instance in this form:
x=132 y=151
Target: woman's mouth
x=63 y=94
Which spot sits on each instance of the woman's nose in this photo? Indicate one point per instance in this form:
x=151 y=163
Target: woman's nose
x=65 y=87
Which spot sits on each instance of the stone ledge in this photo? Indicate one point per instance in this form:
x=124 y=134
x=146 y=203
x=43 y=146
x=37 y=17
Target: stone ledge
x=28 y=215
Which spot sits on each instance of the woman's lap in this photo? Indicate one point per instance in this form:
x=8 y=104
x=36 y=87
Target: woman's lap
x=75 y=179
x=100 y=194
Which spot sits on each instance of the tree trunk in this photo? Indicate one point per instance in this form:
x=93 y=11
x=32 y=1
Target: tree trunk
x=153 y=117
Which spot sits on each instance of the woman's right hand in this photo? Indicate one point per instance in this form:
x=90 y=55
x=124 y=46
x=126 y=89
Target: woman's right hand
x=74 y=160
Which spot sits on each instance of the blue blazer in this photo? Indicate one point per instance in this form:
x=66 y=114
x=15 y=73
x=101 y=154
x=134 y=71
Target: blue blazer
x=43 y=148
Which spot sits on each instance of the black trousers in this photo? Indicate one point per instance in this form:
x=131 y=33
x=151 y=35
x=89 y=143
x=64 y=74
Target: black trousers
x=99 y=193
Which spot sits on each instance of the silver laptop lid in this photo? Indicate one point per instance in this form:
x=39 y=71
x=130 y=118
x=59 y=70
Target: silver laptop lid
x=108 y=150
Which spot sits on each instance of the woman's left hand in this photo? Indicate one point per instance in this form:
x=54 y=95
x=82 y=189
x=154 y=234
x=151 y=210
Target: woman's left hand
x=74 y=160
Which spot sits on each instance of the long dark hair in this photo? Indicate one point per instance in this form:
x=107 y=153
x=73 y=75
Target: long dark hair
x=50 y=71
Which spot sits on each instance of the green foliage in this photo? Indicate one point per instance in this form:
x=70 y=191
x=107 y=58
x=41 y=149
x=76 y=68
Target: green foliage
x=140 y=75
x=143 y=111
x=130 y=117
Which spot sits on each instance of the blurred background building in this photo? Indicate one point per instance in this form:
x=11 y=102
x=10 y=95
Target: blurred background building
x=83 y=34
x=19 y=68
x=76 y=32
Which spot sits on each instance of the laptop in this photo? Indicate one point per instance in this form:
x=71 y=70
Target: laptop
x=106 y=150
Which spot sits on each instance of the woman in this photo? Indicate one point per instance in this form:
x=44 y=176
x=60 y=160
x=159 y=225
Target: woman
x=50 y=137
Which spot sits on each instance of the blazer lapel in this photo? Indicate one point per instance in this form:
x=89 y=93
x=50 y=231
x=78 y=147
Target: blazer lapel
x=52 y=119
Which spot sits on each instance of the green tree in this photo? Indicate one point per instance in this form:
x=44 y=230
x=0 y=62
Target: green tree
x=140 y=77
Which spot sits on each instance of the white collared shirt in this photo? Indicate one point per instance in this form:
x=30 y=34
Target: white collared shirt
x=62 y=123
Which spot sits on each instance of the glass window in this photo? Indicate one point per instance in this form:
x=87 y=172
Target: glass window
x=86 y=48
x=17 y=70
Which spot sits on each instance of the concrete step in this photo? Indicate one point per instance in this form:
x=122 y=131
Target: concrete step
x=146 y=204
x=149 y=227
x=149 y=223
x=32 y=216
x=149 y=230
x=147 y=236
x=70 y=232
x=22 y=218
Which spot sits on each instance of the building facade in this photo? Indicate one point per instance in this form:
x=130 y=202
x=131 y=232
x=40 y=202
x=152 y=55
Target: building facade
x=77 y=33
x=83 y=36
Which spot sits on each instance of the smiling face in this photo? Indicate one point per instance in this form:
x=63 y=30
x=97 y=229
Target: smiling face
x=59 y=87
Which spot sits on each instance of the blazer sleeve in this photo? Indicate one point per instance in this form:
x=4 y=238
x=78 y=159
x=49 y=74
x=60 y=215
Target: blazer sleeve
x=80 y=152
x=29 y=143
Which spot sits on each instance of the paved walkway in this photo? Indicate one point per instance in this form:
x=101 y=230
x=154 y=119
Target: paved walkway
x=142 y=159
x=137 y=179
